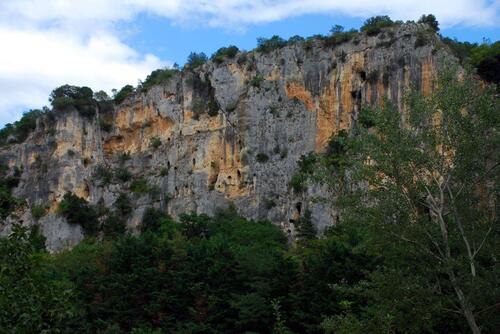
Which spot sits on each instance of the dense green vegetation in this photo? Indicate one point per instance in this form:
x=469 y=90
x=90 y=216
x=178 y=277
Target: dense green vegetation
x=19 y=131
x=81 y=98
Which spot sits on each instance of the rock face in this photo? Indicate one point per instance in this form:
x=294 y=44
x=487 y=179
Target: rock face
x=272 y=109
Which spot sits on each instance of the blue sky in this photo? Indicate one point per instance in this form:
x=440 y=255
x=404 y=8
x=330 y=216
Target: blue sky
x=107 y=44
x=159 y=36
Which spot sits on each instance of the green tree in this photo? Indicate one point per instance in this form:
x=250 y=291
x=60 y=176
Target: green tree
x=428 y=184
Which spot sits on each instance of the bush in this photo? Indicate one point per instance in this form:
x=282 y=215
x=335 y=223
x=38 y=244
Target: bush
x=196 y=60
x=262 y=157
x=153 y=219
x=114 y=225
x=124 y=93
x=103 y=174
x=256 y=81
x=21 y=129
x=222 y=53
x=122 y=205
x=158 y=77
x=76 y=210
x=305 y=228
x=122 y=174
x=81 y=98
x=266 y=45
x=430 y=20
x=374 y=25
x=105 y=124
x=339 y=36
x=299 y=182
x=155 y=142
x=38 y=211
x=140 y=186
x=422 y=39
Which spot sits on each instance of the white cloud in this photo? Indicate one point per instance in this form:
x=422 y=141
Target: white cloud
x=46 y=43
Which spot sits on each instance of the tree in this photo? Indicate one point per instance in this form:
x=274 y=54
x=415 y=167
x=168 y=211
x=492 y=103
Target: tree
x=430 y=20
x=429 y=181
x=196 y=59
x=76 y=210
x=33 y=297
x=374 y=25
x=81 y=98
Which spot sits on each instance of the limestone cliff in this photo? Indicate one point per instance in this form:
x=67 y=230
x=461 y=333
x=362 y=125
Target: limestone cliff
x=272 y=108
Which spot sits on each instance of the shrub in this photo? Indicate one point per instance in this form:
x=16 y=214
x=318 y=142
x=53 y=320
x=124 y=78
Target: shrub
x=140 y=186
x=105 y=124
x=114 y=225
x=374 y=25
x=430 y=20
x=21 y=129
x=299 y=182
x=38 y=211
x=256 y=81
x=81 y=98
x=295 y=39
x=305 y=227
x=103 y=174
x=153 y=219
x=229 y=52
x=421 y=40
x=163 y=171
x=124 y=93
x=339 y=36
x=158 y=77
x=266 y=45
x=122 y=205
x=122 y=174
x=262 y=157
x=123 y=157
x=155 y=142
x=196 y=60
x=76 y=210
x=213 y=108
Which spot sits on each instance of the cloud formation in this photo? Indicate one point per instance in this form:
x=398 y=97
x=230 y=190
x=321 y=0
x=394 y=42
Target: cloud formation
x=47 y=43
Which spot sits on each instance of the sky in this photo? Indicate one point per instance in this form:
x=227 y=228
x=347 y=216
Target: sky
x=106 y=44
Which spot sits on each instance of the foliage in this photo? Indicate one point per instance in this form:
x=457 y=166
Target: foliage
x=430 y=198
x=158 y=77
x=34 y=298
x=422 y=39
x=8 y=181
x=262 y=157
x=76 y=210
x=431 y=21
x=224 y=52
x=80 y=98
x=123 y=93
x=155 y=220
x=155 y=142
x=305 y=227
x=103 y=174
x=196 y=60
x=123 y=174
x=38 y=211
x=141 y=186
x=339 y=36
x=485 y=57
x=373 y=25
x=256 y=81
x=266 y=45
x=19 y=131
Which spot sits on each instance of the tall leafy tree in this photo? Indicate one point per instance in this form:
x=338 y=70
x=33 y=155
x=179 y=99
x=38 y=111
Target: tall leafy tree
x=427 y=180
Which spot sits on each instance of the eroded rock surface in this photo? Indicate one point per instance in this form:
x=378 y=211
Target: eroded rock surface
x=246 y=154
